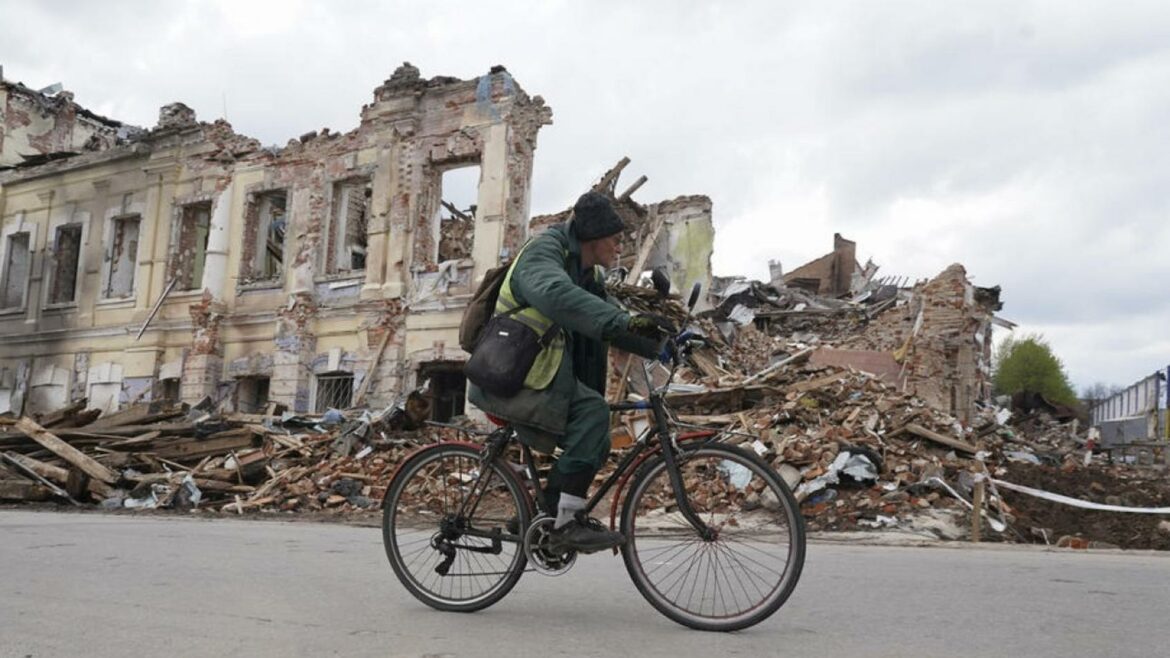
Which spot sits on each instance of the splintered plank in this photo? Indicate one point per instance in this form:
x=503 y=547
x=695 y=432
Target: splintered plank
x=56 y=417
x=66 y=451
x=957 y=444
x=218 y=444
x=139 y=414
x=55 y=473
x=22 y=490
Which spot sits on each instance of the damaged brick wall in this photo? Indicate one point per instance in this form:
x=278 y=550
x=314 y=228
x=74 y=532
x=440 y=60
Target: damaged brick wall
x=359 y=215
x=34 y=126
x=830 y=275
x=942 y=338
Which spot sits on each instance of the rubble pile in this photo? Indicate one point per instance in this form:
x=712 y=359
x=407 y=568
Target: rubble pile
x=153 y=456
x=859 y=452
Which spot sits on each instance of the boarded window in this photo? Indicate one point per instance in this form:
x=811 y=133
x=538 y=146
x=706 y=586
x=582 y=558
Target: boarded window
x=334 y=391
x=66 y=254
x=347 y=235
x=15 y=275
x=123 y=257
x=264 y=241
x=191 y=251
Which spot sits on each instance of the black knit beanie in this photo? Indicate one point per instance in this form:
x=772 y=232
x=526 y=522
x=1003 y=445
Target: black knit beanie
x=594 y=218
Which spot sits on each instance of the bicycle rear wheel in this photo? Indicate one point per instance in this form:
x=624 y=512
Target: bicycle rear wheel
x=733 y=580
x=451 y=561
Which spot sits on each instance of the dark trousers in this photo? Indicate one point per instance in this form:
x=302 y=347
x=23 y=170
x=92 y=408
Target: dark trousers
x=584 y=445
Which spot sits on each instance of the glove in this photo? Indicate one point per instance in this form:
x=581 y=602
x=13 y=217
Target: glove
x=668 y=354
x=652 y=326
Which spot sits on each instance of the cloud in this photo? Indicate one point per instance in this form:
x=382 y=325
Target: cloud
x=1025 y=140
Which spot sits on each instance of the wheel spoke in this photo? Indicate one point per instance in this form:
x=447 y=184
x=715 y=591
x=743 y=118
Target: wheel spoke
x=426 y=498
x=738 y=576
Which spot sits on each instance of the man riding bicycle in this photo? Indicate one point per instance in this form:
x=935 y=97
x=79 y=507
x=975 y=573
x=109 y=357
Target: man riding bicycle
x=556 y=283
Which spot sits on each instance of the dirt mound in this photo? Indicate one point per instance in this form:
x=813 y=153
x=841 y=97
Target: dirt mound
x=1133 y=531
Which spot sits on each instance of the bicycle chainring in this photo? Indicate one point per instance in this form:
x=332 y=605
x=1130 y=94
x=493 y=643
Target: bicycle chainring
x=536 y=548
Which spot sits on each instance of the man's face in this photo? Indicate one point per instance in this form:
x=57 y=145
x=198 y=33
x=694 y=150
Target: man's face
x=602 y=251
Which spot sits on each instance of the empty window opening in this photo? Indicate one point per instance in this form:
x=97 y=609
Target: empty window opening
x=334 y=391
x=66 y=253
x=123 y=257
x=347 y=235
x=448 y=389
x=194 y=227
x=16 y=266
x=251 y=394
x=459 y=192
x=264 y=240
x=170 y=389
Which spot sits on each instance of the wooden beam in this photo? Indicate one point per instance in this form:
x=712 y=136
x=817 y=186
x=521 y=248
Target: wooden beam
x=657 y=222
x=365 y=387
x=609 y=179
x=633 y=188
x=977 y=511
x=916 y=429
x=22 y=490
x=52 y=418
x=15 y=461
x=66 y=451
x=801 y=355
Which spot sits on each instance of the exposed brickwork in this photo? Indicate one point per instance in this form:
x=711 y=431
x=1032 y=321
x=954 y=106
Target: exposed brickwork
x=205 y=188
x=943 y=361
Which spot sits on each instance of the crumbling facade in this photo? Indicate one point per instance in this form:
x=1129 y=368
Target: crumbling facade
x=37 y=127
x=830 y=275
x=187 y=261
x=941 y=339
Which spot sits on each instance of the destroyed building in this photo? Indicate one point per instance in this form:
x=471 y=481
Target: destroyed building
x=187 y=261
x=932 y=339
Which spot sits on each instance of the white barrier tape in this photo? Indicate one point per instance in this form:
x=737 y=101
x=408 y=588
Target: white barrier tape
x=1075 y=502
x=996 y=525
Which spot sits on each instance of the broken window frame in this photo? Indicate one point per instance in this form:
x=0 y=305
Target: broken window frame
x=449 y=212
x=60 y=266
x=338 y=248
x=332 y=390
x=118 y=226
x=189 y=218
x=258 y=268
x=10 y=248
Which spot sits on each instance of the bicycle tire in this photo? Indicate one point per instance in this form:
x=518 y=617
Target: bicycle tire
x=429 y=488
x=760 y=539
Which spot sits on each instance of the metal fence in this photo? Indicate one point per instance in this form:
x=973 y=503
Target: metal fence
x=1137 y=413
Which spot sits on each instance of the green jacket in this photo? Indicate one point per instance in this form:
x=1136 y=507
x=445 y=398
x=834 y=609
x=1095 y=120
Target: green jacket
x=547 y=276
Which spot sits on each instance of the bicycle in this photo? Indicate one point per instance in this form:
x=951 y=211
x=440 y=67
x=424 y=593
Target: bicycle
x=461 y=521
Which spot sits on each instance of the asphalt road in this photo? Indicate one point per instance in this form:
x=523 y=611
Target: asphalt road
x=94 y=585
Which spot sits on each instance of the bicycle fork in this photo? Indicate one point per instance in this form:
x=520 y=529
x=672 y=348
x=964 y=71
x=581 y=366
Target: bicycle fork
x=676 y=480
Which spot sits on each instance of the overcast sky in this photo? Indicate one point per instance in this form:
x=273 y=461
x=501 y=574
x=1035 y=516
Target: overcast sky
x=1029 y=141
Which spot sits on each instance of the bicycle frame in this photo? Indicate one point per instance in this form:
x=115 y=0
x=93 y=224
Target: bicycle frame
x=644 y=448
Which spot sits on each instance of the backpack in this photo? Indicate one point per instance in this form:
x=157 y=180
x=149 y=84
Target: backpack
x=482 y=307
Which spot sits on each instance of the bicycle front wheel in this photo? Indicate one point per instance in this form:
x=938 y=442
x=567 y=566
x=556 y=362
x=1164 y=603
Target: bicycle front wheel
x=452 y=536
x=744 y=571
